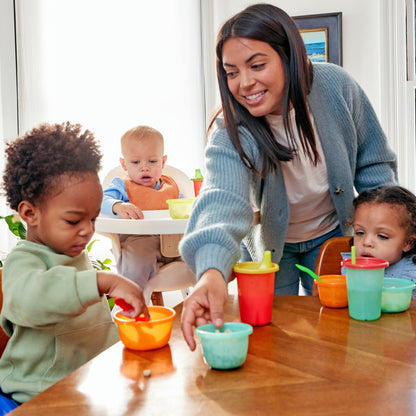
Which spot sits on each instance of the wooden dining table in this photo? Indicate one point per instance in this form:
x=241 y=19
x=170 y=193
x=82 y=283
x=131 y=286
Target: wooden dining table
x=310 y=360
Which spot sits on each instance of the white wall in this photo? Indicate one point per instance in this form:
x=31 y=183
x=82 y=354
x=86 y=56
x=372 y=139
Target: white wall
x=360 y=34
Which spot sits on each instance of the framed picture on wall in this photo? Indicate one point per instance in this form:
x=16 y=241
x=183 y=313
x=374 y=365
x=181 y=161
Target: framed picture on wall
x=322 y=34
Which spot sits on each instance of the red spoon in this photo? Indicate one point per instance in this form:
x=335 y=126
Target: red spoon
x=126 y=307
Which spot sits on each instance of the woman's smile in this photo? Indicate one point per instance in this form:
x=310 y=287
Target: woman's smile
x=255 y=98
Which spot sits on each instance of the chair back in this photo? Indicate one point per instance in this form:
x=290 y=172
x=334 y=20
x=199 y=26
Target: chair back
x=329 y=257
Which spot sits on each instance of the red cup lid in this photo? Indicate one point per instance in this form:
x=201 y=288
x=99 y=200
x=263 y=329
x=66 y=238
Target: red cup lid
x=365 y=263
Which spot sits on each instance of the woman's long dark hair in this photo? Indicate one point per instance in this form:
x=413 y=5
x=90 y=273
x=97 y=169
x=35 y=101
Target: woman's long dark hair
x=272 y=25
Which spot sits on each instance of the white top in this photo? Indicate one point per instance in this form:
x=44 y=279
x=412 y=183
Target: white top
x=312 y=212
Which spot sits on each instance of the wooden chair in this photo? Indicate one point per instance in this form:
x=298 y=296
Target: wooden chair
x=172 y=276
x=3 y=337
x=329 y=257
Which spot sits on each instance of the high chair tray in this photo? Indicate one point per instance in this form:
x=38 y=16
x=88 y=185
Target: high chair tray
x=154 y=222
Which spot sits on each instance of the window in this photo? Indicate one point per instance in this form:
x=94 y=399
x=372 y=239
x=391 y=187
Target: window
x=109 y=65
x=410 y=97
x=398 y=84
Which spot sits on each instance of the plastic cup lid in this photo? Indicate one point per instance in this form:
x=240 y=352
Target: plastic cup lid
x=253 y=267
x=365 y=263
x=198 y=175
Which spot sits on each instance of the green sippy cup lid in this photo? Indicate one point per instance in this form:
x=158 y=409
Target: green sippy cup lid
x=198 y=175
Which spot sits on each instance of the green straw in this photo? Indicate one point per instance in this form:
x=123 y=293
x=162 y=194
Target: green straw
x=352 y=254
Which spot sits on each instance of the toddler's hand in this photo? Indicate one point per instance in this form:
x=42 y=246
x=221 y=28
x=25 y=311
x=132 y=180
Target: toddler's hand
x=117 y=286
x=128 y=211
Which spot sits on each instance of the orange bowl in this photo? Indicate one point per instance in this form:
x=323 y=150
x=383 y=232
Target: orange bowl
x=146 y=335
x=333 y=291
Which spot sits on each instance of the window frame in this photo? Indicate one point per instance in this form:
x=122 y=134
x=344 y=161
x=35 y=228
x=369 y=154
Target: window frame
x=397 y=91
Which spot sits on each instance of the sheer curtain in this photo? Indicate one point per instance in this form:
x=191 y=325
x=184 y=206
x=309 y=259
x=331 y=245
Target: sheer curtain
x=107 y=64
x=111 y=65
x=8 y=105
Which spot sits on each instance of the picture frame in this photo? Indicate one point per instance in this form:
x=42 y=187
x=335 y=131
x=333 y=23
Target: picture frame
x=322 y=34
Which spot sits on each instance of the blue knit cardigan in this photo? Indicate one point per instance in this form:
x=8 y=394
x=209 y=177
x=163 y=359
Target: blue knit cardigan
x=357 y=157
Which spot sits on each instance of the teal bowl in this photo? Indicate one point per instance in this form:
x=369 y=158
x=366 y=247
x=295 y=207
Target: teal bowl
x=225 y=348
x=396 y=295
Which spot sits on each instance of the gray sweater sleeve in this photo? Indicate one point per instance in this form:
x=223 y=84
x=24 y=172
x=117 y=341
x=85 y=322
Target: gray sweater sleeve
x=222 y=214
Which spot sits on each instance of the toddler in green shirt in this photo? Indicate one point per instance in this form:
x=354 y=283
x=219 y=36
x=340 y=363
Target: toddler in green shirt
x=55 y=309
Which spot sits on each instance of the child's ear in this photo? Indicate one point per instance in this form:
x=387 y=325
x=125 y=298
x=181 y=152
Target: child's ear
x=28 y=213
x=123 y=163
x=409 y=243
x=164 y=161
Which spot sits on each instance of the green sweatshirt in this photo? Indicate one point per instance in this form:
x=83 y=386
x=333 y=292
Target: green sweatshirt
x=54 y=316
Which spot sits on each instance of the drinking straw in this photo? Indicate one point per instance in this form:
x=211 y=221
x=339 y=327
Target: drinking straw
x=352 y=254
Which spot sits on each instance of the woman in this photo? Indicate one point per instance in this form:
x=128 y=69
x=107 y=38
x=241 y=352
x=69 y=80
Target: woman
x=292 y=141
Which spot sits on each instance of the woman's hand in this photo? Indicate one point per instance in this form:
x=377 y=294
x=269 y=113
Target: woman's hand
x=204 y=305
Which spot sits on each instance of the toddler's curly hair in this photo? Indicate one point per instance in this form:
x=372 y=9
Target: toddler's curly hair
x=37 y=161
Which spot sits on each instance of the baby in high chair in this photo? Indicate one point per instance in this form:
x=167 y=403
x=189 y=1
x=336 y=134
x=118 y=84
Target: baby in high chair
x=143 y=187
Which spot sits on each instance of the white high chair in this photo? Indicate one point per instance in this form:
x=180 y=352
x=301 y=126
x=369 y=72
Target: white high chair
x=172 y=276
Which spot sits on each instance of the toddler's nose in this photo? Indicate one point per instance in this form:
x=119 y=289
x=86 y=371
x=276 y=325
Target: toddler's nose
x=368 y=241
x=87 y=229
